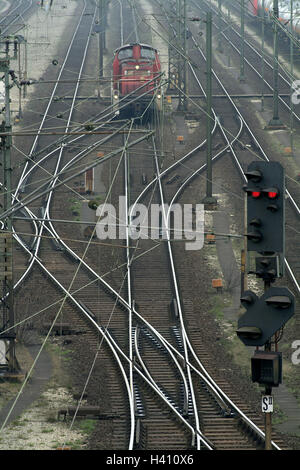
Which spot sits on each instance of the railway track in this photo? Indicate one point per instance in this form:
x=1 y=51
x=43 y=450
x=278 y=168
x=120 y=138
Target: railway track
x=254 y=58
x=291 y=262
x=12 y=20
x=238 y=132
x=162 y=369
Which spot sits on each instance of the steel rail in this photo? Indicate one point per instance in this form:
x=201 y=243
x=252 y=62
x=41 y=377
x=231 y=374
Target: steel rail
x=248 y=421
x=258 y=73
x=251 y=46
x=46 y=213
x=294 y=204
x=85 y=312
x=242 y=123
x=195 y=432
x=129 y=275
x=171 y=354
x=103 y=331
x=242 y=120
x=10 y=11
x=24 y=176
x=290 y=198
x=177 y=295
x=4 y=30
x=21 y=180
x=122 y=302
x=129 y=262
x=128 y=271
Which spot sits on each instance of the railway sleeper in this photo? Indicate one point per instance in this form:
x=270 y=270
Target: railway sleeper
x=62 y=329
x=251 y=432
x=154 y=340
x=57 y=245
x=174 y=308
x=173 y=179
x=138 y=402
x=89 y=312
x=178 y=338
x=144 y=179
x=168 y=397
x=165 y=395
x=70 y=256
x=224 y=411
x=83 y=411
x=140 y=438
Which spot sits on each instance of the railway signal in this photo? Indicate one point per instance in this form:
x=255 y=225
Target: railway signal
x=264 y=315
x=265 y=208
x=266 y=367
x=268 y=268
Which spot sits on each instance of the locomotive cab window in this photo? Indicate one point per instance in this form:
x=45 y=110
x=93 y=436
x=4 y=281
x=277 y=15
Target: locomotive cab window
x=125 y=53
x=147 y=53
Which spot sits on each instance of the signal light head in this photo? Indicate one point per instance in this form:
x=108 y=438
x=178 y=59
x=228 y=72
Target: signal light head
x=279 y=301
x=249 y=332
x=255 y=222
x=255 y=194
x=254 y=175
x=254 y=236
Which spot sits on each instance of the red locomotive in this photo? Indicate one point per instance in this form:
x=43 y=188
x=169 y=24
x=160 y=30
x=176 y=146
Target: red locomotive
x=136 y=78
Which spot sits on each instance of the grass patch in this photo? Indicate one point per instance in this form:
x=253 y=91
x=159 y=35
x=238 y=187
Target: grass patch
x=87 y=426
x=217 y=307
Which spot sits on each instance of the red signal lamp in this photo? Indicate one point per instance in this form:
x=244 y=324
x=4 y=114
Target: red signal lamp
x=255 y=194
x=272 y=194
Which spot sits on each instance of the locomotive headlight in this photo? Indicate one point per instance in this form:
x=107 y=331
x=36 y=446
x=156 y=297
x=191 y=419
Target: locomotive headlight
x=137 y=67
x=159 y=96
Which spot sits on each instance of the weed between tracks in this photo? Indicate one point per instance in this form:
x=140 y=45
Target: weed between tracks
x=39 y=428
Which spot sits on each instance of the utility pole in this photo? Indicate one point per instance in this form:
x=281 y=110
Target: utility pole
x=6 y=239
x=100 y=22
x=101 y=37
x=220 y=47
x=292 y=79
x=182 y=55
x=242 y=63
x=172 y=52
x=209 y=199
x=229 y=21
x=263 y=56
x=275 y=121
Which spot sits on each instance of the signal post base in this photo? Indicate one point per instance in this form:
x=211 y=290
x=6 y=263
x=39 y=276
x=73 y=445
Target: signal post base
x=210 y=203
x=275 y=124
x=14 y=376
